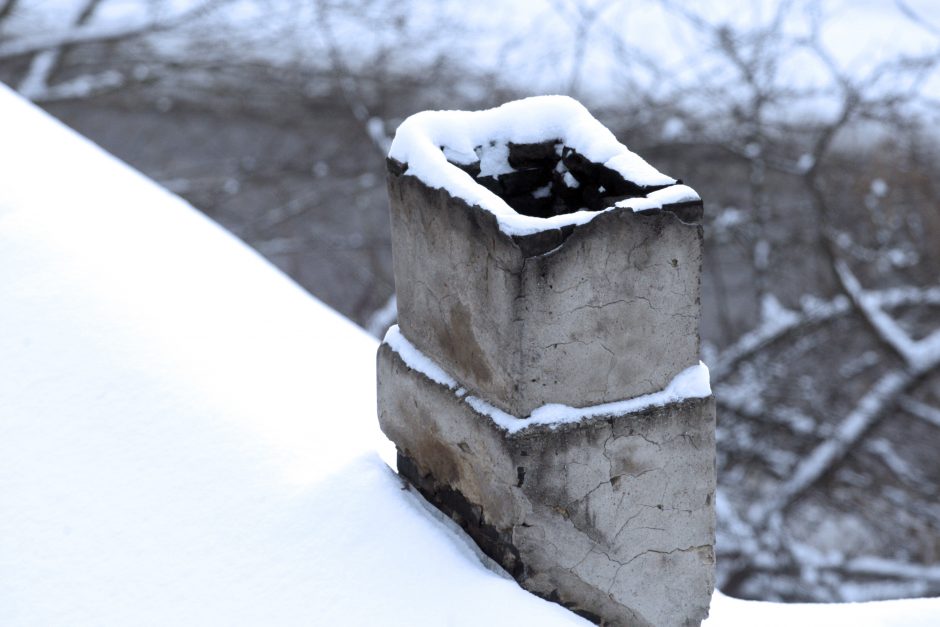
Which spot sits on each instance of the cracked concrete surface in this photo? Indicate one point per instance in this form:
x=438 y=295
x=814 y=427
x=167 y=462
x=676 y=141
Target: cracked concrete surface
x=585 y=315
x=612 y=517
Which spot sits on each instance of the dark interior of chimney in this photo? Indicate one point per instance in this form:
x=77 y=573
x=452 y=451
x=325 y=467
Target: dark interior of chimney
x=549 y=179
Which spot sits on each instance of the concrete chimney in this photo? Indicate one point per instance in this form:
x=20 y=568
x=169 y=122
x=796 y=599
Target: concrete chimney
x=544 y=387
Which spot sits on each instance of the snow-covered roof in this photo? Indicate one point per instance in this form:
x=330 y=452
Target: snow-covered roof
x=433 y=143
x=188 y=438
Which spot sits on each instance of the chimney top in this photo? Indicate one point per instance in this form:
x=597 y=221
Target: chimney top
x=536 y=164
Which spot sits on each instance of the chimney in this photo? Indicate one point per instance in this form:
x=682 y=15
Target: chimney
x=544 y=388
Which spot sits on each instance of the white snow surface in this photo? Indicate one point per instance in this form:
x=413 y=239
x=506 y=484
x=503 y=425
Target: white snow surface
x=415 y=359
x=188 y=438
x=420 y=139
x=693 y=382
x=657 y=199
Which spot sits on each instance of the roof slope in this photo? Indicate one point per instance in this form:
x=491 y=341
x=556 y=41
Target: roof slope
x=188 y=438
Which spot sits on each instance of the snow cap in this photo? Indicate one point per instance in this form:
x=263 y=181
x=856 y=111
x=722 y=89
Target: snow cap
x=431 y=142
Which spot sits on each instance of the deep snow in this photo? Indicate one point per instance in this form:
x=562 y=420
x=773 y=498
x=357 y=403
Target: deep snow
x=187 y=438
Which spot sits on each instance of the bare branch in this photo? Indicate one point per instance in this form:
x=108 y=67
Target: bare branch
x=6 y=9
x=876 y=566
x=886 y=453
x=919 y=356
x=35 y=85
x=921 y=410
x=863 y=566
x=587 y=17
x=813 y=312
x=101 y=33
x=373 y=126
x=79 y=87
x=915 y=17
x=822 y=459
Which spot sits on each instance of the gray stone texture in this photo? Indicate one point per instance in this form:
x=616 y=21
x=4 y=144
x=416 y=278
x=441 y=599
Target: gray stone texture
x=612 y=517
x=581 y=315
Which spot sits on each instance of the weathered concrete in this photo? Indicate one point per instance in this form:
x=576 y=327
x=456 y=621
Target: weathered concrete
x=612 y=517
x=581 y=315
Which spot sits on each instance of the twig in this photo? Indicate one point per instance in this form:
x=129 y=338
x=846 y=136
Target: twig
x=921 y=410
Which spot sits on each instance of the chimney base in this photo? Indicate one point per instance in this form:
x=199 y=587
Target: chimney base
x=611 y=516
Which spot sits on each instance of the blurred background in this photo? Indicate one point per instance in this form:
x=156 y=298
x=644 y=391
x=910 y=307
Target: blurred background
x=809 y=128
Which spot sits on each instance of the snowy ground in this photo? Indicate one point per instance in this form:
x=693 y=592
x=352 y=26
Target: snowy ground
x=187 y=438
